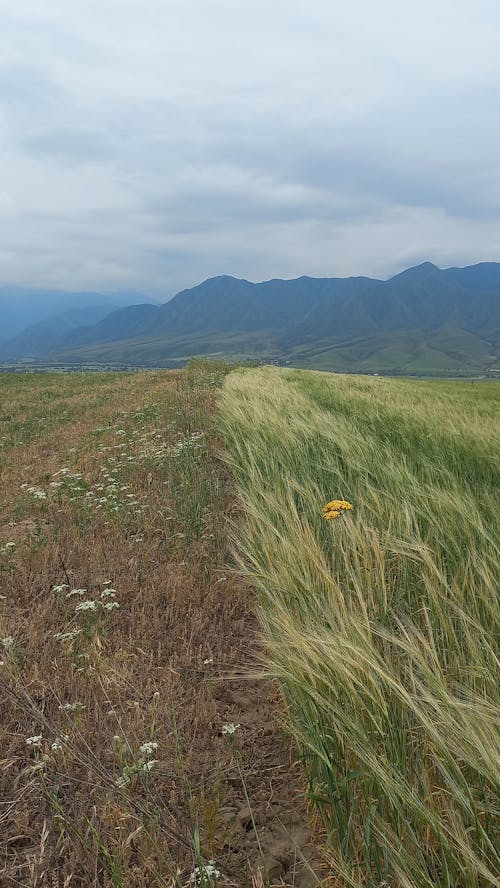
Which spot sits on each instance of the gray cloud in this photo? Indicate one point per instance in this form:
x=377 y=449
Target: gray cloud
x=68 y=144
x=152 y=143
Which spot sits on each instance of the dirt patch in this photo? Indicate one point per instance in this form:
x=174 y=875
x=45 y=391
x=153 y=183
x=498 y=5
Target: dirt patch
x=129 y=502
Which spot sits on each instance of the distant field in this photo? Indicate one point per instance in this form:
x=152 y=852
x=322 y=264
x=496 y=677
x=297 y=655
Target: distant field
x=452 y=354
x=455 y=353
x=381 y=623
x=124 y=633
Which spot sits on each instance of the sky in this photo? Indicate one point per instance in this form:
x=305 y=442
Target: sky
x=149 y=144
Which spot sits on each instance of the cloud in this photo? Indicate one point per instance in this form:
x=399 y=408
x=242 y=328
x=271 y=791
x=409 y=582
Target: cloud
x=68 y=144
x=152 y=144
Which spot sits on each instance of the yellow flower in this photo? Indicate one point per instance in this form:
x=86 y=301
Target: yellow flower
x=333 y=513
x=335 y=507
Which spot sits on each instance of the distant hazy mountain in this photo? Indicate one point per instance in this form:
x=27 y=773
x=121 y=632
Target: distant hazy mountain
x=61 y=332
x=424 y=320
x=21 y=307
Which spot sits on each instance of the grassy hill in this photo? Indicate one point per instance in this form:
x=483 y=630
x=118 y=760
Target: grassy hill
x=446 y=352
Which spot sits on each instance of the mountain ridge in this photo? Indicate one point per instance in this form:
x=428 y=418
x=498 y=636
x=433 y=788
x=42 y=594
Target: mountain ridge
x=423 y=317
x=24 y=307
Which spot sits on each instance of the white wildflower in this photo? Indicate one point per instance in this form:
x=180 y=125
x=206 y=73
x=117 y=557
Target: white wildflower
x=8 y=642
x=72 y=707
x=109 y=605
x=59 y=742
x=67 y=636
x=37 y=493
x=60 y=588
x=108 y=593
x=206 y=871
x=123 y=781
x=149 y=747
x=76 y=592
x=34 y=741
x=88 y=605
x=208 y=661
x=229 y=729
x=148 y=766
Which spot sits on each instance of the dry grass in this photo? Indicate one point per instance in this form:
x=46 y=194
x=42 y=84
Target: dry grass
x=127 y=487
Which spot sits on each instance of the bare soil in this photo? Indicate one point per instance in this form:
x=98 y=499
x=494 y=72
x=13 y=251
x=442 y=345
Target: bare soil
x=133 y=496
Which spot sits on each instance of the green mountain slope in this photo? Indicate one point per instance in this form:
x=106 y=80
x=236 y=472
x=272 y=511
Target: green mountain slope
x=424 y=320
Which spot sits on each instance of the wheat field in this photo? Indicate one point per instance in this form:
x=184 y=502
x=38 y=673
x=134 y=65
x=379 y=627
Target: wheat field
x=382 y=623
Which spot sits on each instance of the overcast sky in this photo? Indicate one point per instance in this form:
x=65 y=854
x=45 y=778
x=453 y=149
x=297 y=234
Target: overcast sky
x=149 y=144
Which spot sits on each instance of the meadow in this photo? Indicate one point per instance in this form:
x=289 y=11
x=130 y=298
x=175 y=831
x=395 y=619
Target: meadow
x=139 y=746
x=206 y=678
x=381 y=621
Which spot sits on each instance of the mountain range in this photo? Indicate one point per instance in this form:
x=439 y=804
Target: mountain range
x=22 y=309
x=424 y=320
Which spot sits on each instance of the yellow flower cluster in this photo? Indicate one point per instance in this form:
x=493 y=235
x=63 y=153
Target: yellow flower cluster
x=334 y=508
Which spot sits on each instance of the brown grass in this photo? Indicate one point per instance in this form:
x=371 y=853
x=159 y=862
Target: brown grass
x=137 y=672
